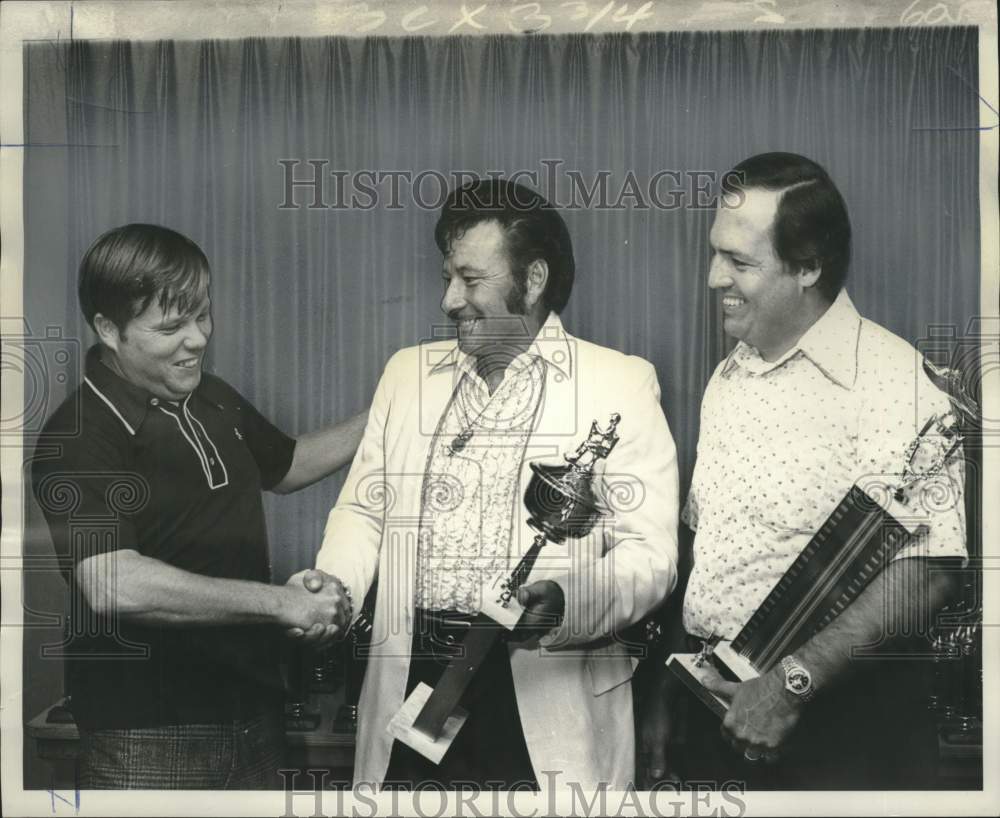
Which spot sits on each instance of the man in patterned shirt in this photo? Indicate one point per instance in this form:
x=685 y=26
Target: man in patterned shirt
x=813 y=399
x=433 y=505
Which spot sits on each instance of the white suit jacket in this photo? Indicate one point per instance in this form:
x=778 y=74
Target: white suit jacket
x=574 y=703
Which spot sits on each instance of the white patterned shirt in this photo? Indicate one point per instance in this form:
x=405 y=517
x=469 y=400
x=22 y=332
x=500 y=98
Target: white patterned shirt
x=471 y=490
x=780 y=445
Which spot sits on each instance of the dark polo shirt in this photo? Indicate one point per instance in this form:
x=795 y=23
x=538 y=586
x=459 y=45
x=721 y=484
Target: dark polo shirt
x=118 y=468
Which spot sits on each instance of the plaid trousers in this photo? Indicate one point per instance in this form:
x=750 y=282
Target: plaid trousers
x=238 y=755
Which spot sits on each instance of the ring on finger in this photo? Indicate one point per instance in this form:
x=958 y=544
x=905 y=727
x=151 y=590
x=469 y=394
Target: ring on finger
x=751 y=755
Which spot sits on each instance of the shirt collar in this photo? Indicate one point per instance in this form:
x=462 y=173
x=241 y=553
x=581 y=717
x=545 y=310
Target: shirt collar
x=128 y=401
x=831 y=344
x=551 y=344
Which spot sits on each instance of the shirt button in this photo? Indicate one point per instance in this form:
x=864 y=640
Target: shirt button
x=154 y=401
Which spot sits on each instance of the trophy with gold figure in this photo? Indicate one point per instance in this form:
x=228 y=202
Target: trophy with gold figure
x=862 y=534
x=561 y=504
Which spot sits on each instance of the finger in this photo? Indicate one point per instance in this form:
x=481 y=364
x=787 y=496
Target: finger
x=525 y=629
x=314 y=633
x=520 y=632
x=737 y=728
x=294 y=633
x=537 y=620
x=656 y=767
x=729 y=738
x=672 y=780
x=648 y=778
x=719 y=686
x=329 y=635
x=313 y=580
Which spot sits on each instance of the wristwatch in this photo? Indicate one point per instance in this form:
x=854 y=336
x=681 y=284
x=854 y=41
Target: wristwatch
x=798 y=680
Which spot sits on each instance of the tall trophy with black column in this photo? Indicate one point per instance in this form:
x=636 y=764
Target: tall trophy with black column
x=956 y=636
x=859 y=538
x=561 y=504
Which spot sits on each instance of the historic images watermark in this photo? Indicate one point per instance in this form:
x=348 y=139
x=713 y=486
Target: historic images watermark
x=429 y=799
x=315 y=185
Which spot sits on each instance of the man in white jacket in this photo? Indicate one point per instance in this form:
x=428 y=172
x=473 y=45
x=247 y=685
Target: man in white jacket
x=433 y=506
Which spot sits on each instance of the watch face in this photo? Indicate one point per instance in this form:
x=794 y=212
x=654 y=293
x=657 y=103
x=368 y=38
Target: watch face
x=799 y=681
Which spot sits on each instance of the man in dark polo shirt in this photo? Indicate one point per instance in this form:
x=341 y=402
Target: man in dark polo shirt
x=150 y=478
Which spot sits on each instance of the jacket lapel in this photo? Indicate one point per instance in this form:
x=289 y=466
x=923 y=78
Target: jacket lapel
x=557 y=432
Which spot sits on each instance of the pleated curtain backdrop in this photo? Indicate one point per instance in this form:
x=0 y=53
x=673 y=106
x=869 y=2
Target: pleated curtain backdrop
x=310 y=302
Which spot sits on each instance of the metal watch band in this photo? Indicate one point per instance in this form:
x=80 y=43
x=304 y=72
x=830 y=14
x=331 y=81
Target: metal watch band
x=798 y=680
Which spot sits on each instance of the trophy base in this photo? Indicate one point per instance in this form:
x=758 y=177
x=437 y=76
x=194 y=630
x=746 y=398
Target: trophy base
x=692 y=669
x=401 y=726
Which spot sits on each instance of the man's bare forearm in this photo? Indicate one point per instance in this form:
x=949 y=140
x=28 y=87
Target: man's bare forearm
x=908 y=591
x=137 y=588
x=763 y=714
x=320 y=453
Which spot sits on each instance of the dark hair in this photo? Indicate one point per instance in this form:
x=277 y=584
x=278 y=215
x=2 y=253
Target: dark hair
x=533 y=229
x=127 y=267
x=811 y=226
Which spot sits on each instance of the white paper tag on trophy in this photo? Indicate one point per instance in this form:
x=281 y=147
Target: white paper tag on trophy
x=492 y=605
x=738 y=665
x=401 y=726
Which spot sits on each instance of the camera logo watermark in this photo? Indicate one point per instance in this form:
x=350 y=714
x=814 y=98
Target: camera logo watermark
x=49 y=365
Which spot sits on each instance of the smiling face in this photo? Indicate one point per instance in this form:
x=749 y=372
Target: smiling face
x=159 y=351
x=764 y=303
x=482 y=296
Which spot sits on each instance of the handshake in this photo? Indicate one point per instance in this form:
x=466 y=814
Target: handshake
x=316 y=608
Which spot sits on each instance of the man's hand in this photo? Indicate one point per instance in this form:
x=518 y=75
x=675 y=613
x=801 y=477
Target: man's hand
x=655 y=703
x=319 y=610
x=543 y=604
x=762 y=714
